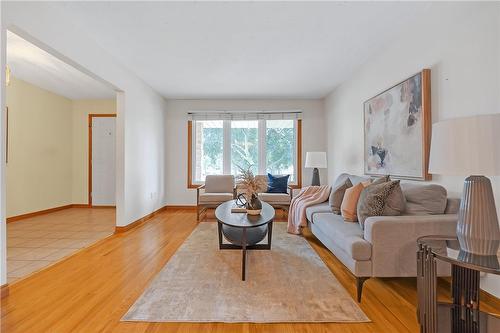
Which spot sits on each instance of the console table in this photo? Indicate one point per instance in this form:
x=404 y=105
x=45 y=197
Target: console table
x=463 y=315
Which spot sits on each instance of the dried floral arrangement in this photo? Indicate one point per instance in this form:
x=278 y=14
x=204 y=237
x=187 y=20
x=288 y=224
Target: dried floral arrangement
x=247 y=181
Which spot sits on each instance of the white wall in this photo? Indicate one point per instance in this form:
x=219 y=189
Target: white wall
x=141 y=111
x=460 y=43
x=313 y=136
x=3 y=211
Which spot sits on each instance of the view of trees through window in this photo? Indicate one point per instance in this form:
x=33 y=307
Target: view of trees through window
x=209 y=136
x=242 y=147
x=280 y=147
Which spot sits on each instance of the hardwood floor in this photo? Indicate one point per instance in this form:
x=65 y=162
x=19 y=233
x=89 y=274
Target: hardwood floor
x=92 y=290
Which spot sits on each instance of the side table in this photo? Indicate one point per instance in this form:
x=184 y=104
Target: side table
x=463 y=315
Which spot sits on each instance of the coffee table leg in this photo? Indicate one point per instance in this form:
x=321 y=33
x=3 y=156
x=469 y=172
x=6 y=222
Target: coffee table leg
x=244 y=254
x=269 y=234
x=219 y=227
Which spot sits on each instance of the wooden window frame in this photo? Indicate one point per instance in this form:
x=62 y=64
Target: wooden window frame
x=191 y=185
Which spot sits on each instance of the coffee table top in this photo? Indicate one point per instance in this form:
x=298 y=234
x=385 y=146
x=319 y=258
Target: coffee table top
x=243 y=220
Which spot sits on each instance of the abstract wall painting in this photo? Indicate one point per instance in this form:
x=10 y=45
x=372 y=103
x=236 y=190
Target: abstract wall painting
x=397 y=127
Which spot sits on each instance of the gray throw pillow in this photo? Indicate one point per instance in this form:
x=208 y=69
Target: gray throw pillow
x=396 y=202
x=372 y=200
x=337 y=195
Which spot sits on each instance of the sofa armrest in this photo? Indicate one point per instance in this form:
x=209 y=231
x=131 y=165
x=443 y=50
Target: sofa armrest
x=290 y=191
x=394 y=241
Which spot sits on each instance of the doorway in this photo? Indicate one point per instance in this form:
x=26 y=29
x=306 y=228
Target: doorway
x=102 y=152
x=46 y=174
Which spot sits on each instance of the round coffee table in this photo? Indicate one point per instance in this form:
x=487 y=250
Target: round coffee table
x=244 y=231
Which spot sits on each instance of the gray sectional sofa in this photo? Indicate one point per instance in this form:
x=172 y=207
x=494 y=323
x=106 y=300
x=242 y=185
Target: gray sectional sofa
x=387 y=245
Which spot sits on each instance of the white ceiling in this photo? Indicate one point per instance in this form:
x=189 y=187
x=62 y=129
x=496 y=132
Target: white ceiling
x=243 y=49
x=32 y=64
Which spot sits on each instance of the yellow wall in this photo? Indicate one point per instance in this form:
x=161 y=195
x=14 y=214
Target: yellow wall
x=39 y=171
x=48 y=148
x=81 y=110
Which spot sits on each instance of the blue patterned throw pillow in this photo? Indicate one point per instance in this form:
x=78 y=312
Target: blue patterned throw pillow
x=277 y=184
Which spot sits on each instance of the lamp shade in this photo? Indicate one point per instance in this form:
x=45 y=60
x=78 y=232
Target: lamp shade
x=316 y=159
x=466 y=146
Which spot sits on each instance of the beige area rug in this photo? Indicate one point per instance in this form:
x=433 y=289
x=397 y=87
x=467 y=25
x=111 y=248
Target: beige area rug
x=201 y=283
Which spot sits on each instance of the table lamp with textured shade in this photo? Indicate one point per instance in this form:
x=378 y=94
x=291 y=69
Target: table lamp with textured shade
x=315 y=159
x=471 y=146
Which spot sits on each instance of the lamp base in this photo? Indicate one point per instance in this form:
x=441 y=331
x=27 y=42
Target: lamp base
x=477 y=228
x=315 y=178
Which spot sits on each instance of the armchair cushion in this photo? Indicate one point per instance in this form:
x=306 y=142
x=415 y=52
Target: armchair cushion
x=214 y=198
x=219 y=183
x=278 y=198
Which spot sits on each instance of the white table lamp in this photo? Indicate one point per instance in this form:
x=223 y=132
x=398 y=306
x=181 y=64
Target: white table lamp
x=315 y=159
x=471 y=146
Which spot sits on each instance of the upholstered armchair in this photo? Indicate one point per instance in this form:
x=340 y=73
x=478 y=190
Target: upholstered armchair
x=216 y=190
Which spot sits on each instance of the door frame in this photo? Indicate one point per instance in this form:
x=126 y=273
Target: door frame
x=90 y=118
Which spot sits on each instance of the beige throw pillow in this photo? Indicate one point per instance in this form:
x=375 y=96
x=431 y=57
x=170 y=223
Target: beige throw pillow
x=350 y=202
x=337 y=196
x=372 y=201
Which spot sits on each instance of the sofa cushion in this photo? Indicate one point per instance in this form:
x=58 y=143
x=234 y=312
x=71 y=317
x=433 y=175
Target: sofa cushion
x=350 y=202
x=215 y=197
x=353 y=178
x=395 y=203
x=337 y=195
x=283 y=198
x=320 y=208
x=277 y=184
x=347 y=236
x=424 y=199
x=373 y=199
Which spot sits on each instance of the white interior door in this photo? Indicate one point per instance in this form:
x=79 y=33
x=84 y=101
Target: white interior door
x=103 y=161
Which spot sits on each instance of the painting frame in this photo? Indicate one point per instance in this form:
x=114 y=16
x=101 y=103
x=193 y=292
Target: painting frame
x=425 y=133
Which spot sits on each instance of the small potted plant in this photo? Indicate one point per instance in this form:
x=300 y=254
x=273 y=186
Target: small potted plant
x=250 y=186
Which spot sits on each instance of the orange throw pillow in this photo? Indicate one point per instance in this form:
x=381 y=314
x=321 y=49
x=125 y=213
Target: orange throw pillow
x=349 y=205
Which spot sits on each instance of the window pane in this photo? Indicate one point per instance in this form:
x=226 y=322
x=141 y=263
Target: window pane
x=280 y=147
x=208 y=148
x=244 y=145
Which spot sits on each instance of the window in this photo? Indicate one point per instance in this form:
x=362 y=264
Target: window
x=223 y=146
x=280 y=147
x=208 y=148
x=244 y=145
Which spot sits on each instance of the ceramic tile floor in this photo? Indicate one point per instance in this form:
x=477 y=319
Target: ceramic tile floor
x=37 y=242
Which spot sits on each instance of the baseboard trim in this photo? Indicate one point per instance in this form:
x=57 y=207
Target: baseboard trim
x=4 y=291
x=80 y=206
x=187 y=207
x=140 y=221
x=51 y=210
x=40 y=212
